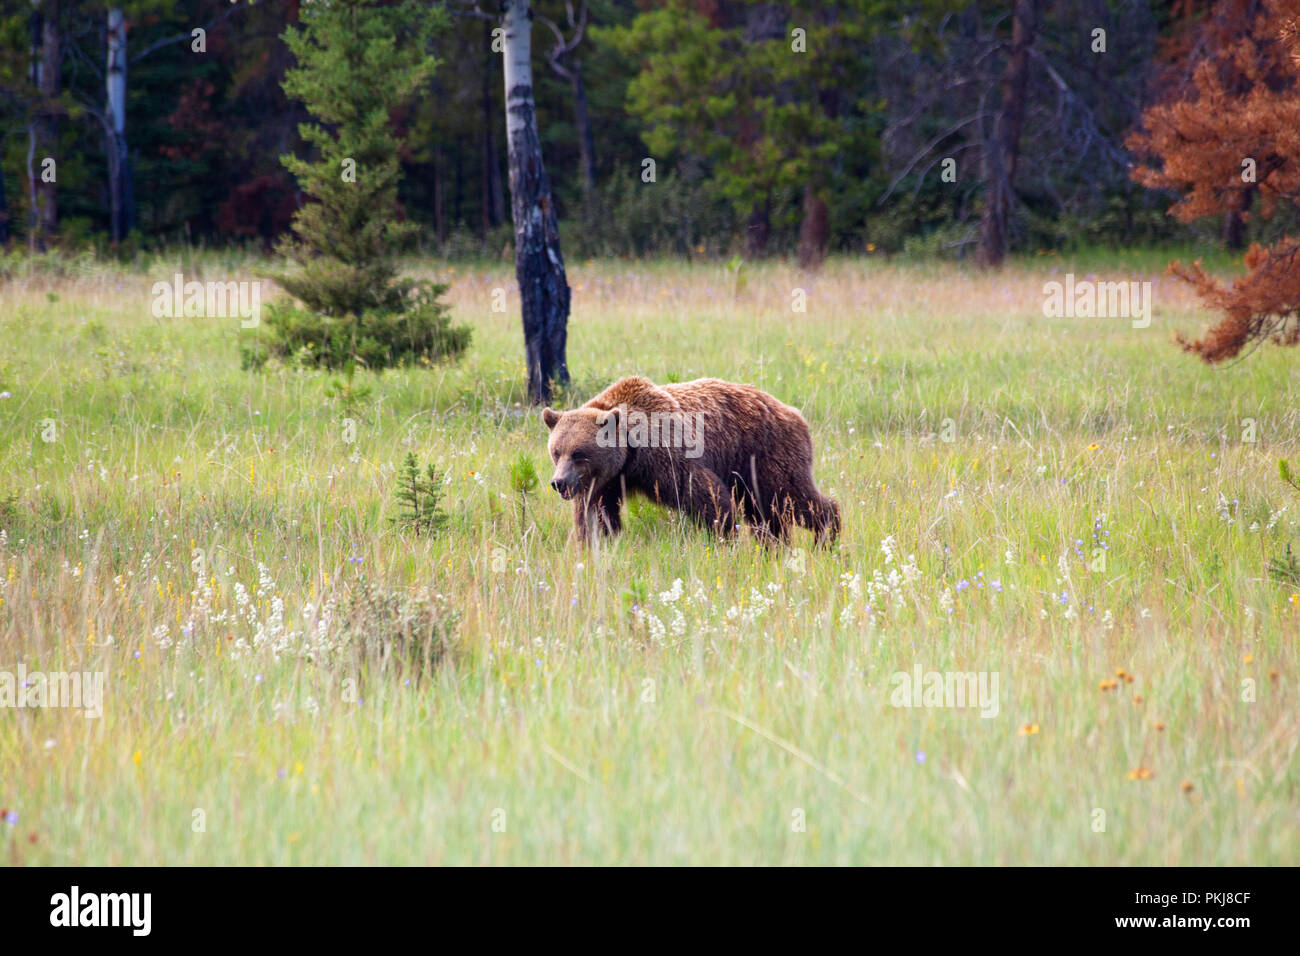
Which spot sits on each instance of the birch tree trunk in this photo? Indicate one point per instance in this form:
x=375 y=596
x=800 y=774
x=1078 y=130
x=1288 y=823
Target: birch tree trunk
x=539 y=267
x=121 y=197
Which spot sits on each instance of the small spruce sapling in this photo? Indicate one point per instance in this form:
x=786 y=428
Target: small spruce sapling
x=418 y=498
x=523 y=481
x=351 y=396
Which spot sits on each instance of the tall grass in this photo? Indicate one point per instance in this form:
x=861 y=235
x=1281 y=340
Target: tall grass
x=206 y=536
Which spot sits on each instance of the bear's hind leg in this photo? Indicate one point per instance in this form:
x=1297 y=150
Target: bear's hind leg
x=770 y=523
x=815 y=511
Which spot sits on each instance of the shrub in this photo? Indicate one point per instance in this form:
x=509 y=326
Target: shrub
x=387 y=631
x=627 y=217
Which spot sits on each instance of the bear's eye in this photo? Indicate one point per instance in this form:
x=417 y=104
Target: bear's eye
x=579 y=456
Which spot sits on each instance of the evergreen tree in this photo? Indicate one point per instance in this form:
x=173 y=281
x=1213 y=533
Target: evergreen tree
x=357 y=62
x=1230 y=134
x=765 y=98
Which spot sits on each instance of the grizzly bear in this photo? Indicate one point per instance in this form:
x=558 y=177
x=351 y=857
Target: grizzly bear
x=710 y=448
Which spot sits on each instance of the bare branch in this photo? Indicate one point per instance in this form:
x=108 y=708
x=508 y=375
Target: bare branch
x=182 y=37
x=472 y=11
x=563 y=48
x=925 y=151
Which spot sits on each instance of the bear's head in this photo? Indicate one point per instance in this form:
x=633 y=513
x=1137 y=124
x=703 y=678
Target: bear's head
x=585 y=449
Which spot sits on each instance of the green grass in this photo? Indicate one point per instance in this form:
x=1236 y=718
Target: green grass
x=610 y=720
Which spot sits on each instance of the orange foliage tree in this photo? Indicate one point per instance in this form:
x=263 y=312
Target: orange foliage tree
x=1228 y=136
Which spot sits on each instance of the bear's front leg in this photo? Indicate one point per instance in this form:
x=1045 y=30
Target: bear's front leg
x=600 y=513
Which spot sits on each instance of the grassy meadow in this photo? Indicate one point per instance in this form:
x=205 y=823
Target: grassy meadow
x=1070 y=503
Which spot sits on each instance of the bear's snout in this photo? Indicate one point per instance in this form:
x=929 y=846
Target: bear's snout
x=565 y=486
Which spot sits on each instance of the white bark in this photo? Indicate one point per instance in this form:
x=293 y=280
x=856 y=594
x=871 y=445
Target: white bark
x=518 y=69
x=117 y=70
x=539 y=269
x=116 y=110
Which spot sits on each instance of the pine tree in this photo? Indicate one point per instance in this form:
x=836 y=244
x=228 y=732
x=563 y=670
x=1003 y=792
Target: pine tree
x=1231 y=134
x=358 y=62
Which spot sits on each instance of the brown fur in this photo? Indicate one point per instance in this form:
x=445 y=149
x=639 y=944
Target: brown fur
x=756 y=460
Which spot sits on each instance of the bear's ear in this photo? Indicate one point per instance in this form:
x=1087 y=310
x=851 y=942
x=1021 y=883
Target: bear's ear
x=550 y=417
x=608 y=419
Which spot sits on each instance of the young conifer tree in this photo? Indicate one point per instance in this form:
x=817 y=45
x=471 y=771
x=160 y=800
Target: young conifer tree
x=357 y=62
